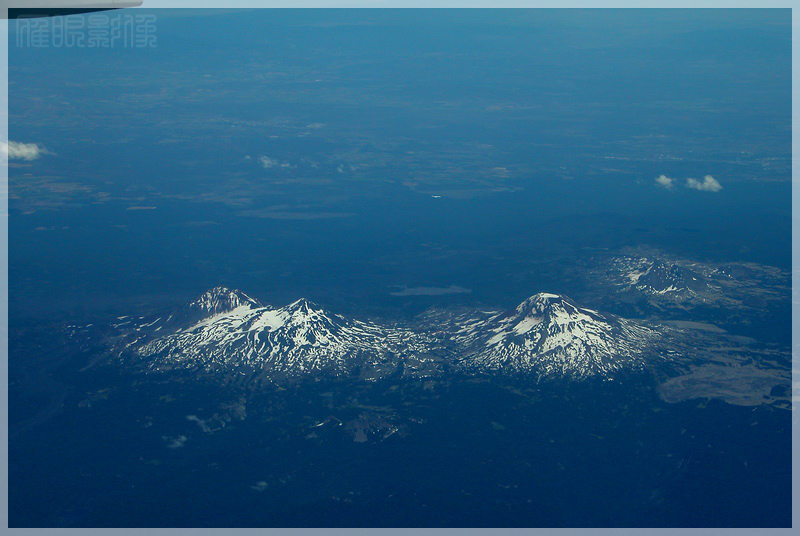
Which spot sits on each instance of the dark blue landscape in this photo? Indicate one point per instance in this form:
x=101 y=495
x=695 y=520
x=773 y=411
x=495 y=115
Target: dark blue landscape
x=547 y=254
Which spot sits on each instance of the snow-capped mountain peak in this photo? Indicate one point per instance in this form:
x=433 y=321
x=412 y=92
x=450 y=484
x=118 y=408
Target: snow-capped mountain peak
x=554 y=306
x=221 y=300
x=304 y=306
x=550 y=335
x=238 y=335
x=539 y=301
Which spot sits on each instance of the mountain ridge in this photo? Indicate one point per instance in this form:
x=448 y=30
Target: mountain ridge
x=546 y=335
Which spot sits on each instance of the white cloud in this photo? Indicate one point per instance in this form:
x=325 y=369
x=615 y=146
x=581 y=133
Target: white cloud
x=200 y=422
x=260 y=486
x=664 y=182
x=175 y=442
x=14 y=150
x=709 y=184
x=342 y=168
x=267 y=162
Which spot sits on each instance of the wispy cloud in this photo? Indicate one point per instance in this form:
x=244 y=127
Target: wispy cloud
x=14 y=150
x=200 y=422
x=709 y=184
x=175 y=442
x=344 y=168
x=268 y=162
x=664 y=182
x=260 y=486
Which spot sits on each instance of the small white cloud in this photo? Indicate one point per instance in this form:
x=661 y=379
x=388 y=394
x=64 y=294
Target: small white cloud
x=709 y=184
x=343 y=168
x=200 y=422
x=267 y=162
x=14 y=150
x=664 y=182
x=175 y=442
x=270 y=163
x=260 y=486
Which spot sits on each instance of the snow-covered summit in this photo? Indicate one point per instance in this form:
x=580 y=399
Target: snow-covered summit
x=553 y=305
x=221 y=300
x=549 y=335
